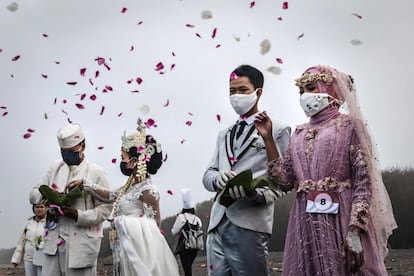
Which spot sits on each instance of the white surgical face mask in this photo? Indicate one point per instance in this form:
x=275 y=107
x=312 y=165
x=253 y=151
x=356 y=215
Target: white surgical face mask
x=313 y=103
x=242 y=103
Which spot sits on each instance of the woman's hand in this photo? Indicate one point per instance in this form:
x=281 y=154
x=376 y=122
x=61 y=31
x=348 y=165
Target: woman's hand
x=353 y=249
x=263 y=124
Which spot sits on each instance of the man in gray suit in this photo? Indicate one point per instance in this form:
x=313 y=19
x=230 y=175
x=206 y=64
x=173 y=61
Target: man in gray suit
x=238 y=235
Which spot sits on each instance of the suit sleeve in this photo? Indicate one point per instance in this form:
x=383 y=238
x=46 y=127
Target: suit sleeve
x=19 y=251
x=212 y=171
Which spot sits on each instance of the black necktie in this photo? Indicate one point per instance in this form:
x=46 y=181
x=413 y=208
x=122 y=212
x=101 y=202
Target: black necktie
x=242 y=125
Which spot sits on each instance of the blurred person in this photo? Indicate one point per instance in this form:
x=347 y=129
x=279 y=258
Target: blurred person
x=183 y=220
x=31 y=240
x=250 y=217
x=72 y=240
x=342 y=217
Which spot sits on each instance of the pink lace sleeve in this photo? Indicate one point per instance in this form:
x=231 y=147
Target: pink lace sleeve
x=281 y=171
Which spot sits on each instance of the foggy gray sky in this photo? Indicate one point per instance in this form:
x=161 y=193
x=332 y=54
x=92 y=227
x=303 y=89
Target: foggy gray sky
x=45 y=44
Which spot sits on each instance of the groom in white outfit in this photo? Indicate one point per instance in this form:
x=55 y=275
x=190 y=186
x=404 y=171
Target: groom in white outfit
x=238 y=235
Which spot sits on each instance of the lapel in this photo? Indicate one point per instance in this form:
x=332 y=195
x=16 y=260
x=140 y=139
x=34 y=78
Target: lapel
x=251 y=137
x=248 y=141
x=229 y=139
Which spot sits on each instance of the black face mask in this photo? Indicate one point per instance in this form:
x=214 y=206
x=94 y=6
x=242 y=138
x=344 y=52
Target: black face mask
x=126 y=171
x=71 y=157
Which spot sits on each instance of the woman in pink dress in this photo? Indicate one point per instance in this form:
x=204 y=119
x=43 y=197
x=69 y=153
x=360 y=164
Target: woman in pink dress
x=341 y=217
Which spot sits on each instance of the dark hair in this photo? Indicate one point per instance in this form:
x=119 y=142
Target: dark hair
x=254 y=75
x=155 y=161
x=189 y=210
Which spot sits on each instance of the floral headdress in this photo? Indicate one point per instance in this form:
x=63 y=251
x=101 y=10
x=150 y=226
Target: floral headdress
x=313 y=77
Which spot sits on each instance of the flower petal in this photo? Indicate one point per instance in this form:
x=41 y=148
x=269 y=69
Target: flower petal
x=300 y=36
x=27 y=135
x=279 y=60
x=71 y=83
x=124 y=10
x=218 y=118
x=170 y=192
x=113 y=160
x=213 y=35
x=80 y=106
x=167 y=103
x=82 y=71
x=16 y=58
x=139 y=80
x=100 y=148
x=92 y=97
x=188 y=123
x=102 y=110
x=44 y=76
x=252 y=4
x=285 y=5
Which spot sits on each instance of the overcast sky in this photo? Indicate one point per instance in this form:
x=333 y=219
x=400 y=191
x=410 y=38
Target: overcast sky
x=50 y=75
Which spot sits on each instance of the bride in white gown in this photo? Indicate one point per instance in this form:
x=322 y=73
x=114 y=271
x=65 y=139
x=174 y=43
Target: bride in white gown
x=138 y=247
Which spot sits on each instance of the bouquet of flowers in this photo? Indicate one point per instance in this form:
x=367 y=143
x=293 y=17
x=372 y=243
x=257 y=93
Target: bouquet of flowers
x=39 y=242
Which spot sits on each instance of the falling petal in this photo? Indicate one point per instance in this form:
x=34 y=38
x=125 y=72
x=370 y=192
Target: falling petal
x=213 y=35
x=113 y=160
x=54 y=187
x=172 y=53
x=16 y=58
x=265 y=46
x=3 y=107
x=279 y=18
x=211 y=267
x=357 y=15
x=218 y=45
x=279 y=60
x=82 y=71
x=149 y=123
x=197 y=34
x=64 y=101
x=30 y=130
x=124 y=10
x=120 y=114
x=144 y=109
x=57 y=62
x=134 y=91
x=189 y=25
x=27 y=135
x=100 y=148
x=233 y=159
x=71 y=83
x=356 y=42
x=170 y=192
x=45 y=35
x=64 y=112
x=218 y=118
x=69 y=121
x=92 y=97
x=109 y=88
x=285 y=5
x=182 y=141
x=82 y=97
x=172 y=66
x=206 y=14
x=252 y=4
x=59 y=242
x=165 y=158
x=58 y=209
x=139 y=80
x=90 y=81
x=4 y=113
x=140 y=22
x=130 y=81
x=188 y=123
x=79 y=106
x=131 y=48
x=44 y=76
x=159 y=66
x=13 y=7
x=96 y=74
x=100 y=60
x=167 y=103
x=54 y=102
x=102 y=110
x=45 y=115
x=300 y=36
x=274 y=70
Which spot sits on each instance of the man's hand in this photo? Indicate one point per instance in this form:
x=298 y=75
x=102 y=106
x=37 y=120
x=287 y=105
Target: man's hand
x=237 y=192
x=353 y=249
x=70 y=212
x=223 y=177
x=73 y=184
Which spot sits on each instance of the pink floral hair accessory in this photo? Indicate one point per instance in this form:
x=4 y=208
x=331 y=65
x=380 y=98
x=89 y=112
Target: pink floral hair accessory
x=234 y=76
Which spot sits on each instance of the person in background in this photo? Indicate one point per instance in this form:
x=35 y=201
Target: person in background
x=72 y=241
x=31 y=239
x=138 y=247
x=187 y=256
x=250 y=218
x=342 y=216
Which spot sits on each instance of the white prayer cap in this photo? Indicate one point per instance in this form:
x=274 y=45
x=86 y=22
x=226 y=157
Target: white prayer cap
x=70 y=135
x=186 y=196
x=35 y=196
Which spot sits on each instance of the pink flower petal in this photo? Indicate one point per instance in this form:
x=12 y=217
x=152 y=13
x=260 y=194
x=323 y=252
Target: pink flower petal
x=71 y=83
x=159 y=66
x=149 y=123
x=3 y=107
x=279 y=60
x=64 y=101
x=233 y=159
x=279 y=18
x=139 y=80
x=16 y=58
x=46 y=233
x=170 y=192
x=59 y=242
x=102 y=110
x=83 y=96
x=218 y=118
x=54 y=102
x=213 y=35
x=113 y=160
x=45 y=35
x=57 y=62
x=131 y=48
x=172 y=66
x=182 y=141
x=30 y=130
x=65 y=112
x=188 y=123
x=54 y=186
x=161 y=231
x=300 y=36
x=140 y=22
x=27 y=135
x=69 y=121
x=173 y=54
x=80 y=106
x=90 y=81
x=285 y=5
x=4 y=113
x=134 y=91
x=82 y=72
x=167 y=103
x=189 y=25
x=130 y=81
x=120 y=114
x=140 y=149
x=109 y=88
x=252 y=4
x=146 y=158
x=211 y=267
x=96 y=74
x=165 y=158
x=100 y=60
x=191 y=114
x=100 y=148
x=218 y=45
x=124 y=10
x=198 y=35
x=44 y=76
x=92 y=97
x=107 y=66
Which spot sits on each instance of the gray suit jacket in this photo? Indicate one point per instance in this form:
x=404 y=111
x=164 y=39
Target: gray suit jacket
x=251 y=155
